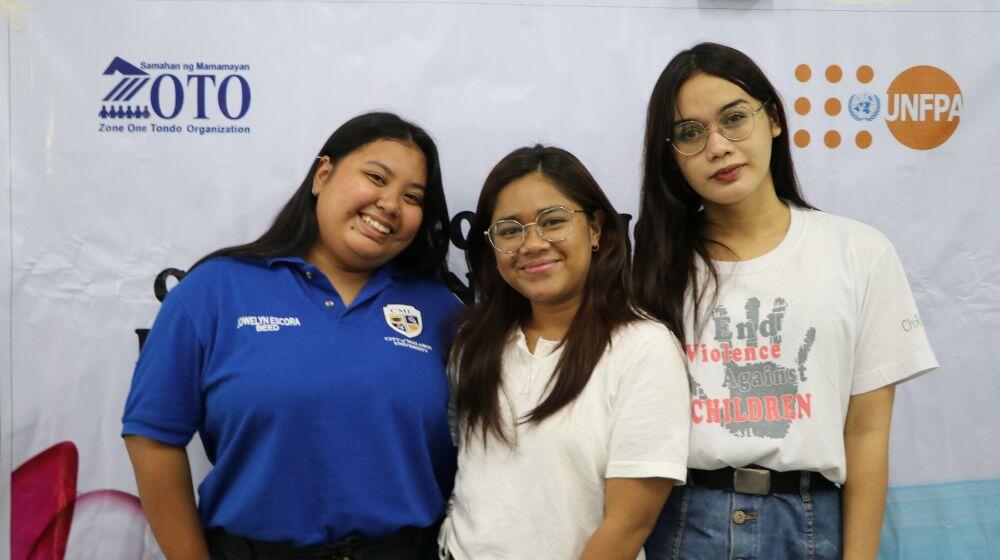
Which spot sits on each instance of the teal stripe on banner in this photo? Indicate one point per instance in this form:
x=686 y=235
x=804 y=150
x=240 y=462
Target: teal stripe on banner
x=954 y=521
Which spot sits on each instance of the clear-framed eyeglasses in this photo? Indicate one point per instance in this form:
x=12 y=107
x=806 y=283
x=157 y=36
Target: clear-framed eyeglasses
x=553 y=224
x=735 y=123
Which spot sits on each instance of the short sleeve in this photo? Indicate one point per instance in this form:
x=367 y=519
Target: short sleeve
x=650 y=420
x=892 y=344
x=164 y=402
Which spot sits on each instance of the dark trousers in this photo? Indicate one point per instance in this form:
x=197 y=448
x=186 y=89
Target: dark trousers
x=407 y=544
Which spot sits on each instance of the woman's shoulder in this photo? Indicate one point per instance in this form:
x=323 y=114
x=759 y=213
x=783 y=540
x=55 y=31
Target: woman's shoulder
x=219 y=274
x=646 y=345
x=847 y=230
x=643 y=330
x=428 y=288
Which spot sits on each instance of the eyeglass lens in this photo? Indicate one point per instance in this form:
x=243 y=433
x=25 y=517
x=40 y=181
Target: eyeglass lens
x=553 y=224
x=736 y=124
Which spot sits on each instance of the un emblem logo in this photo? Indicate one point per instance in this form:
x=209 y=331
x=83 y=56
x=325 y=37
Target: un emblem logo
x=864 y=106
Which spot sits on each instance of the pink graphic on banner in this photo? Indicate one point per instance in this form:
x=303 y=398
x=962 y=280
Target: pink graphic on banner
x=45 y=507
x=42 y=496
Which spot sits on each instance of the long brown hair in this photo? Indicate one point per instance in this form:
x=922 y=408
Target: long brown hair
x=486 y=325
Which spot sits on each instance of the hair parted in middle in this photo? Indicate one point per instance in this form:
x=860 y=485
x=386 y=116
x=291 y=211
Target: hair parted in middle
x=498 y=309
x=668 y=236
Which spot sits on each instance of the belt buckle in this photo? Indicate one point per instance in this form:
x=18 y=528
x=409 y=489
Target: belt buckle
x=752 y=481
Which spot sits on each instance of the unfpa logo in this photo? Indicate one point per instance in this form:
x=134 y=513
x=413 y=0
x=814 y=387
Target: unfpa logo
x=209 y=91
x=921 y=107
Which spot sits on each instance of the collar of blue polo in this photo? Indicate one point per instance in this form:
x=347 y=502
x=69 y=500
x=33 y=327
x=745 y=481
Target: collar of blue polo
x=381 y=278
x=391 y=268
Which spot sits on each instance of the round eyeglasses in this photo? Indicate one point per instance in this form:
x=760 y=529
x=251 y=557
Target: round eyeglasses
x=553 y=225
x=735 y=123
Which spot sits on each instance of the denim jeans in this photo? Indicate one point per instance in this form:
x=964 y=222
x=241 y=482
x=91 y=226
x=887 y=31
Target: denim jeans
x=700 y=523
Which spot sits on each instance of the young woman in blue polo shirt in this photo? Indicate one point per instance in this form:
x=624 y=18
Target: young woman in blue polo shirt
x=311 y=363
x=791 y=320
x=570 y=405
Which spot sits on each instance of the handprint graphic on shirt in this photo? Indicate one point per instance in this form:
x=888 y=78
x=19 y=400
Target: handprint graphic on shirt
x=763 y=387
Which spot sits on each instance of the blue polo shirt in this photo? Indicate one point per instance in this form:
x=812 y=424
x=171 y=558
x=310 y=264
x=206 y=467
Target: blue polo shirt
x=320 y=420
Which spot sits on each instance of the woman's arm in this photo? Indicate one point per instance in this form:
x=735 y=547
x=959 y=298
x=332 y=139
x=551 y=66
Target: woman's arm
x=631 y=506
x=163 y=476
x=866 y=442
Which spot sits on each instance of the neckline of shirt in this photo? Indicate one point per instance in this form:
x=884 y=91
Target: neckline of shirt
x=544 y=347
x=382 y=278
x=796 y=229
x=390 y=268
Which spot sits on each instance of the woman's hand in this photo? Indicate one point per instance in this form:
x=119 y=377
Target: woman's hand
x=866 y=443
x=631 y=507
x=163 y=476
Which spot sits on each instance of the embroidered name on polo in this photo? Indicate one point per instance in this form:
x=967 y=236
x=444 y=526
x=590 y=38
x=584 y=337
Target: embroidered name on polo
x=411 y=344
x=266 y=323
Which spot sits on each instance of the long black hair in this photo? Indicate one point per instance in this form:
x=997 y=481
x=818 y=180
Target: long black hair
x=296 y=229
x=498 y=309
x=668 y=237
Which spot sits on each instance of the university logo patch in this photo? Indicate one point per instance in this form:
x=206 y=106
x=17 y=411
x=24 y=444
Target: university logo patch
x=404 y=319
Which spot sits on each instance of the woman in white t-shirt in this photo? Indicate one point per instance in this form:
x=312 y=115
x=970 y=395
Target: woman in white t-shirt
x=570 y=407
x=796 y=326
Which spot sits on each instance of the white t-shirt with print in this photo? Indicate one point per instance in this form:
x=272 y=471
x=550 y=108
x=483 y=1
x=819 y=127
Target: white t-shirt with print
x=544 y=498
x=792 y=336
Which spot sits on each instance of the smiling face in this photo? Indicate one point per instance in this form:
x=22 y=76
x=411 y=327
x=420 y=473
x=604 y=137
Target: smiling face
x=369 y=205
x=725 y=172
x=546 y=273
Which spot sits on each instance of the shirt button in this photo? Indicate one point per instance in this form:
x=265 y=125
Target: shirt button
x=309 y=274
x=328 y=303
x=739 y=517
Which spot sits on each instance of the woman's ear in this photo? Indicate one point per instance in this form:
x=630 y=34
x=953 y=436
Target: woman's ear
x=596 y=224
x=772 y=117
x=324 y=169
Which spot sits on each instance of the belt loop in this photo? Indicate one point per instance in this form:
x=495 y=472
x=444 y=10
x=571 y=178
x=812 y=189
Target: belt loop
x=805 y=478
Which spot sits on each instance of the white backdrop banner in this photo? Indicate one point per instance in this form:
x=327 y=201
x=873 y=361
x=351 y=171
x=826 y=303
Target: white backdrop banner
x=138 y=136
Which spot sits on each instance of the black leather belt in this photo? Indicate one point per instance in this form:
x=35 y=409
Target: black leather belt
x=758 y=480
x=406 y=544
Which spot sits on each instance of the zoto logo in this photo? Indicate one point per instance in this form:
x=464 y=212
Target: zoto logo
x=921 y=107
x=199 y=91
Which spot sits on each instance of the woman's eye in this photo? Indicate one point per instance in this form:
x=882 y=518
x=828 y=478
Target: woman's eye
x=551 y=222
x=690 y=133
x=735 y=118
x=413 y=198
x=376 y=178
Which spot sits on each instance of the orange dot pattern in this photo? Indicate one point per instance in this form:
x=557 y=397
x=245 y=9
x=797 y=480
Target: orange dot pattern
x=832 y=106
x=802 y=106
x=863 y=139
x=803 y=73
x=865 y=74
x=834 y=73
x=801 y=138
